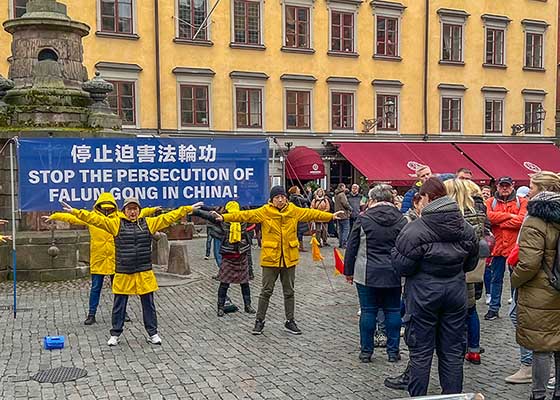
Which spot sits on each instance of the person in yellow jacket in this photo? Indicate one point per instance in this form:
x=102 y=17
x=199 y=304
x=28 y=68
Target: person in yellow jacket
x=101 y=247
x=133 y=272
x=280 y=249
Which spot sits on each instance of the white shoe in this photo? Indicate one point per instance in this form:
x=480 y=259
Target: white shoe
x=488 y=298
x=359 y=312
x=551 y=383
x=155 y=339
x=510 y=300
x=113 y=341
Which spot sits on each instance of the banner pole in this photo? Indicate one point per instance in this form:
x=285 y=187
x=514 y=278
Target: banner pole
x=12 y=185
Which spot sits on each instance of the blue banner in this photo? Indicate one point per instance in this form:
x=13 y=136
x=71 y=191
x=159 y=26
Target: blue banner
x=160 y=172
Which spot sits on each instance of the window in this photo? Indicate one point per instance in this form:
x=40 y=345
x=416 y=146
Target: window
x=116 y=16
x=450 y=114
x=387 y=37
x=388 y=122
x=248 y=107
x=493 y=116
x=298 y=109
x=191 y=16
x=531 y=122
x=194 y=105
x=452 y=43
x=297 y=27
x=20 y=7
x=533 y=50
x=495 y=46
x=122 y=101
x=246 y=22
x=342 y=32
x=342 y=110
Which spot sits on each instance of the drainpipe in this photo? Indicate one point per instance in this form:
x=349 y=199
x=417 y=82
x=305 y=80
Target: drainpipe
x=158 y=68
x=426 y=38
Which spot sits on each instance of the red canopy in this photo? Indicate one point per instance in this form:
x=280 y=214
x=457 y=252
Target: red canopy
x=517 y=160
x=304 y=163
x=396 y=163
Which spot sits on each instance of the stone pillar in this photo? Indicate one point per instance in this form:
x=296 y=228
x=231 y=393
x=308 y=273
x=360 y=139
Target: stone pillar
x=160 y=250
x=178 y=258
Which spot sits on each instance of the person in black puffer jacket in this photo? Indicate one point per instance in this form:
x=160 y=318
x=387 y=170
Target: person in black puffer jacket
x=367 y=262
x=434 y=253
x=300 y=201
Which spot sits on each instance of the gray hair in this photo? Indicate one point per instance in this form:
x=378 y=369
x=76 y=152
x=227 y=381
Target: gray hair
x=381 y=192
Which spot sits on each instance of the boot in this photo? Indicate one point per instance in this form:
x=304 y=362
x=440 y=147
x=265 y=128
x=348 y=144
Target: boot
x=524 y=375
x=399 y=382
x=90 y=320
x=248 y=308
x=221 y=303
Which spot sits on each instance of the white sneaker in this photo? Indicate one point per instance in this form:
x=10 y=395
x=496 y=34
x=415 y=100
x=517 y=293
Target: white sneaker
x=488 y=298
x=510 y=300
x=359 y=312
x=113 y=341
x=155 y=339
x=551 y=383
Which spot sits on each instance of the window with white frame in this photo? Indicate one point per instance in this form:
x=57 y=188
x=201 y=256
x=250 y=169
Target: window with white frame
x=495 y=28
x=298 y=99
x=247 y=28
x=342 y=28
x=297 y=27
x=534 y=43
x=387 y=104
x=117 y=16
x=451 y=107
x=194 y=89
x=533 y=104
x=192 y=15
x=249 y=100
x=494 y=109
x=387 y=18
x=343 y=103
x=19 y=7
x=452 y=35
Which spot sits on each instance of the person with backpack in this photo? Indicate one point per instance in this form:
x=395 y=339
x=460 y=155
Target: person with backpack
x=506 y=212
x=320 y=202
x=536 y=278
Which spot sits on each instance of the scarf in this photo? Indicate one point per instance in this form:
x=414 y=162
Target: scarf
x=235 y=227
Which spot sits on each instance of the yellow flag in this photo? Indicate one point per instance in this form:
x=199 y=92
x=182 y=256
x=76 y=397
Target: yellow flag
x=315 y=251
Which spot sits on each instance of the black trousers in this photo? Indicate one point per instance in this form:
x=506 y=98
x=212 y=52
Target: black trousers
x=148 y=313
x=223 y=289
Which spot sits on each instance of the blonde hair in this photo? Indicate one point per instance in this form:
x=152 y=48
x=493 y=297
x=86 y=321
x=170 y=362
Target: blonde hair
x=473 y=188
x=546 y=181
x=460 y=192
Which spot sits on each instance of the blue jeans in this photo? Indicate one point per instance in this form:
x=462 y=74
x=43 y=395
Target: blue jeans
x=371 y=300
x=95 y=292
x=217 y=255
x=208 y=245
x=343 y=231
x=525 y=355
x=381 y=322
x=487 y=279
x=498 y=267
x=473 y=330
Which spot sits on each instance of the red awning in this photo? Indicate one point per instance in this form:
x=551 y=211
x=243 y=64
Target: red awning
x=517 y=160
x=304 y=163
x=396 y=163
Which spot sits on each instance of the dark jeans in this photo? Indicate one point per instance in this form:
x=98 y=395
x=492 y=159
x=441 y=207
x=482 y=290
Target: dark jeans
x=371 y=301
x=287 y=278
x=148 y=313
x=541 y=373
x=95 y=292
x=473 y=330
x=223 y=289
x=487 y=279
x=343 y=231
x=217 y=255
x=208 y=245
x=498 y=268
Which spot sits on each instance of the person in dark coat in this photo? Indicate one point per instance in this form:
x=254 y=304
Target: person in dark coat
x=434 y=252
x=299 y=200
x=367 y=263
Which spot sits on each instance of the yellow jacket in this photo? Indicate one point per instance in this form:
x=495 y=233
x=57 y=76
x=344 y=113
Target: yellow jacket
x=101 y=243
x=280 y=245
x=140 y=282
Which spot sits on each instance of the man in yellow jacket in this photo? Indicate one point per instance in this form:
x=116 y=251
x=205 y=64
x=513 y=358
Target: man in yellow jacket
x=133 y=272
x=101 y=247
x=280 y=249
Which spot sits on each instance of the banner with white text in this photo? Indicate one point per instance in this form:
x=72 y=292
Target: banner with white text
x=160 y=172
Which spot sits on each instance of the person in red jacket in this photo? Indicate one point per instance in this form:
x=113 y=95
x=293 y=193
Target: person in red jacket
x=506 y=212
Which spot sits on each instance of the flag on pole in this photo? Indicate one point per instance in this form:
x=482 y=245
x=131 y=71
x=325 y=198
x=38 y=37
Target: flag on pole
x=315 y=251
x=338 y=262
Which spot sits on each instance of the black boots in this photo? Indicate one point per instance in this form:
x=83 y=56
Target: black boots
x=221 y=303
x=248 y=308
x=399 y=382
x=90 y=320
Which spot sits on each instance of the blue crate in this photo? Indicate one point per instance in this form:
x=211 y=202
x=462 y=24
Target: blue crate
x=54 y=342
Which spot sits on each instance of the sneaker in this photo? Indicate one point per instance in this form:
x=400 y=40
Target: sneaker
x=491 y=315
x=365 y=357
x=259 y=326
x=220 y=312
x=113 y=341
x=473 y=358
x=510 y=300
x=290 y=326
x=90 y=320
x=206 y=257
x=398 y=382
x=379 y=339
x=524 y=375
x=249 y=309
x=551 y=383
x=154 y=339
x=359 y=312
x=393 y=358
x=488 y=298
x=127 y=318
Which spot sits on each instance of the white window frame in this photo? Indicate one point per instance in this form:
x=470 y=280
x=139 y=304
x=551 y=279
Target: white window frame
x=456 y=94
x=381 y=89
x=533 y=98
x=493 y=95
x=495 y=22
x=134 y=20
x=345 y=8
x=344 y=88
x=251 y=84
x=535 y=29
x=298 y=3
x=446 y=17
x=187 y=79
x=11 y=9
x=129 y=76
x=261 y=27
x=384 y=10
x=302 y=87
x=208 y=24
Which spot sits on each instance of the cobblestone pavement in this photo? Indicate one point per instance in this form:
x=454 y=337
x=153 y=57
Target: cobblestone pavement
x=203 y=357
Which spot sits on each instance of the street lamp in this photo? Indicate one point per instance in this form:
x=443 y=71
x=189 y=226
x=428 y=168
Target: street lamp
x=389 y=111
x=540 y=115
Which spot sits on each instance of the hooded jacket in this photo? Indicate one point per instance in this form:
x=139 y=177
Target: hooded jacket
x=280 y=245
x=243 y=246
x=368 y=254
x=355 y=201
x=409 y=196
x=101 y=243
x=440 y=243
x=506 y=219
x=538 y=303
x=341 y=203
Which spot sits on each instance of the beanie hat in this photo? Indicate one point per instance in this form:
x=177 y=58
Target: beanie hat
x=277 y=190
x=131 y=200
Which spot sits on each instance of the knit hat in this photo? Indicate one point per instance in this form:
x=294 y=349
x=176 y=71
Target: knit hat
x=131 y=200
x=523 y=191
x=277 y=190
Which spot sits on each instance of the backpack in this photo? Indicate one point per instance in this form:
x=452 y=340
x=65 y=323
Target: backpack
x=495 y=203
x=554 y=274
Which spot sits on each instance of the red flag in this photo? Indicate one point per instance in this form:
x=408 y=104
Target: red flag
x=338 y=262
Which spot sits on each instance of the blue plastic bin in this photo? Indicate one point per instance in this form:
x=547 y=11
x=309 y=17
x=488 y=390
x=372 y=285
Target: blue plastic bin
x=54 y=342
